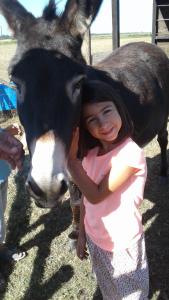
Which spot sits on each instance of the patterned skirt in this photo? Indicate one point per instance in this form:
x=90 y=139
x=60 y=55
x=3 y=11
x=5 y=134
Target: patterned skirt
x=122 y=274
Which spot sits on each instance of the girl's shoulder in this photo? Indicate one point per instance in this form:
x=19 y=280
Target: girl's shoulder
x=91 y=154
x=129 y=145
x=130 y=153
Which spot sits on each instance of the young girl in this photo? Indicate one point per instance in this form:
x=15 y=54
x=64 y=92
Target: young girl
x=111 y=177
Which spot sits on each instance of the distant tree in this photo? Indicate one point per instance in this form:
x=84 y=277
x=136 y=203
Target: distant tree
x=5 y=37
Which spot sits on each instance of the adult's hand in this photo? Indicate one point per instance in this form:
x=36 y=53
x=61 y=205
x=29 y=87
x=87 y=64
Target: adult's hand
x=11 y=149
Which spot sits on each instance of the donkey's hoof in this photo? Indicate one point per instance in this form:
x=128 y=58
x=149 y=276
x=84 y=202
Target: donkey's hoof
x=163 y=180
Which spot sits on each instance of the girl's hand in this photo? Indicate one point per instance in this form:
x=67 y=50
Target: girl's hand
x=81 y=248
x=74 y=144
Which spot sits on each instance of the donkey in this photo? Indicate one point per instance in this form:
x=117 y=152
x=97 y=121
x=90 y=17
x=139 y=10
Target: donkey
x=49 y=71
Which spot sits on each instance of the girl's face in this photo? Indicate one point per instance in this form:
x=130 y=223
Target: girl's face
x=102 y=120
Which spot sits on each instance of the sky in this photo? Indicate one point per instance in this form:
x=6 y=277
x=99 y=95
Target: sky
x=135 y=15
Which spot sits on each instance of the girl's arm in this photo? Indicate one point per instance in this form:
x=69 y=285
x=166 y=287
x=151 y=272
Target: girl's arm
x=81 y=242
x=96 y=193
x=82 y=215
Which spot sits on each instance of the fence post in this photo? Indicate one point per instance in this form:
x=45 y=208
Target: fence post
x=115 y=24
x=88 y=42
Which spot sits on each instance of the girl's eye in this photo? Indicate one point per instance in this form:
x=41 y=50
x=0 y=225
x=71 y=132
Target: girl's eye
x=91 y=121
x=107 y=111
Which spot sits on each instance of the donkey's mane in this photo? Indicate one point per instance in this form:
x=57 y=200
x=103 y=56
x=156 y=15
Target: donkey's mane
x=50 y=12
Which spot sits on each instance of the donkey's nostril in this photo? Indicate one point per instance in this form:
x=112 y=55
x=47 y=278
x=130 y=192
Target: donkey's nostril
x=34 y=189
x=64 y=187
x=60 y=178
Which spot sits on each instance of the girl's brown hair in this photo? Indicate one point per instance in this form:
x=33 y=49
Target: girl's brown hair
x=95 y=91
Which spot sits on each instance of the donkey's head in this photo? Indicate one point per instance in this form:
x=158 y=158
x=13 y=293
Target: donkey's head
x=49 y=102
x=63 y=32
x=48 y=81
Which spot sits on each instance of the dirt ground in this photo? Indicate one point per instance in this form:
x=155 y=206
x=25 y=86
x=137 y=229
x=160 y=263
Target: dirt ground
x=100 y=48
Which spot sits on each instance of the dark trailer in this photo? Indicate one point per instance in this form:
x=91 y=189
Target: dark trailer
x=160 y=24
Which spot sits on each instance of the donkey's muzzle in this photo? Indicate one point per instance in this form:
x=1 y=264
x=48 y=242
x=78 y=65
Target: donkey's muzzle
x=34 y=189
x=49 y=195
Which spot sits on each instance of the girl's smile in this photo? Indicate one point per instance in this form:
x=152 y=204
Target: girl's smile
x=102 y=121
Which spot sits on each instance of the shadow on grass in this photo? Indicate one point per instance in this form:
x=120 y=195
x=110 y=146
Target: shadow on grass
x=45 y=291
x=157 y=232
x=97 y=295
x=55 y=222
x=18 y=220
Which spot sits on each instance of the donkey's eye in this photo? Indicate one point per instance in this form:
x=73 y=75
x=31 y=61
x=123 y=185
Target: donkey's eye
x=79 y=82
x=18 y=87
x=48 y=37
x=77 y=86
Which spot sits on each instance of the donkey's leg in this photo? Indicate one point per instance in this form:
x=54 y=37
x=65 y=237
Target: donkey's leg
x=75 y=198
x=163 y=142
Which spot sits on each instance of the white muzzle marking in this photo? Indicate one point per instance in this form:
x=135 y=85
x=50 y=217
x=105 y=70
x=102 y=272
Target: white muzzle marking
x=48 y=161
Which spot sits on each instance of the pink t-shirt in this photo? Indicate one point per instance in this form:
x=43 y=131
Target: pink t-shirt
x=116 y=223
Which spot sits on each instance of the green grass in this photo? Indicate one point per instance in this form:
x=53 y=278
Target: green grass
x=96 y=36
x=122 y=35
x=7 y=42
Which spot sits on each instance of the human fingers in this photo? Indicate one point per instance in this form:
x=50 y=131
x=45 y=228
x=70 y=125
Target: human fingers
x=83 y=254
x=81 y=249
x=19 y=163
x=19 y=158
x=74 y=144
x=86 y=254
x=17 y=129
x=12 y=129
x=9 y=144
x=16 y=147
x=76 y=135
x=13 y=141
x=12 y=151
x=80 y=255
x=12 y=163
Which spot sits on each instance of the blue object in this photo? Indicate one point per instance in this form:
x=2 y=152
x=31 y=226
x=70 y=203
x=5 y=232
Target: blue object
x=8 y=98
x=5 y=171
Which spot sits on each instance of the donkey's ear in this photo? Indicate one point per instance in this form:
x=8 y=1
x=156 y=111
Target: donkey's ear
x=16 y=15
x=49 y=13
x=79 y=15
